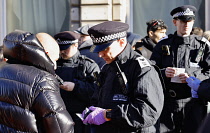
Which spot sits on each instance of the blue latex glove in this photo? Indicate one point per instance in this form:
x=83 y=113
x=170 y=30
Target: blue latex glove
x=194 y=93
x=193 y=83
x=96 y=117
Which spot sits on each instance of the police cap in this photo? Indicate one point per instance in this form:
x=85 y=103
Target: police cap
x=105 y=33
x=184 y=13
x=84 y=29
x=66 y=38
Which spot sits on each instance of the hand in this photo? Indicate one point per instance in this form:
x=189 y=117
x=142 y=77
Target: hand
x=170 y=72
x=193 y=83
x=68 y=86
x=183 y=77
x=85 y=113
x=96 y=117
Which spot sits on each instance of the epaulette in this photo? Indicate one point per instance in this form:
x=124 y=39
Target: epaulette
x=143 y=62
x=203 y=39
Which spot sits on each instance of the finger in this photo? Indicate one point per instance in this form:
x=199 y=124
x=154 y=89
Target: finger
x=87 y=119
x=92 y=108
x=182 y=76
x=170 y=75
x=62 y=87
x=183 y=79
x=83 y=113
x=90 y=119
x=170 y=72
x=194 y=78
x=171 y=69
x=189 y=80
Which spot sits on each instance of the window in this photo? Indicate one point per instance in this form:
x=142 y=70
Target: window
x=2 y=20
x=50 y=16
x=145 y=10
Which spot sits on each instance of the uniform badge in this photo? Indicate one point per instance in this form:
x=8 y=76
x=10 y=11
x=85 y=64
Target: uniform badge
x=143 y=62
x=120 y=97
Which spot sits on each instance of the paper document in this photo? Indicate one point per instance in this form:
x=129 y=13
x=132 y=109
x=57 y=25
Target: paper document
x=176 y=79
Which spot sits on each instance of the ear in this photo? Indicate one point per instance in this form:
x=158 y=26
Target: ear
x=76 y=45
x=150 y=33
x=122 y=42
x=174 y=21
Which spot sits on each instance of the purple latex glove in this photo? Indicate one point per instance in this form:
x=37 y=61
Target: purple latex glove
x=96 y=117
x=194 y=93
x=193 y=83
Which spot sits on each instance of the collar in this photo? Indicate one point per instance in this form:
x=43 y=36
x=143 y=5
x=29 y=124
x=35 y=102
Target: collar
x=149 y=43
x=184 y=40
x=73 y=59
x=126 y=54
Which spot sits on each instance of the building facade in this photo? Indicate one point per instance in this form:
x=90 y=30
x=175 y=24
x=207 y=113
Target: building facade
x=53 y=16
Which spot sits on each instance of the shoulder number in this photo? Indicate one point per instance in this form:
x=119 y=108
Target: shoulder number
x=142 y=62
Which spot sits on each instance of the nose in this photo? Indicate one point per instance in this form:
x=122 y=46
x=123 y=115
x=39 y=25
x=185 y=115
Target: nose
x=62 y=51
x=164 y=34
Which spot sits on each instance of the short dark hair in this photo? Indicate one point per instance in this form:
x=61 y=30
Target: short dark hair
x=155 y=24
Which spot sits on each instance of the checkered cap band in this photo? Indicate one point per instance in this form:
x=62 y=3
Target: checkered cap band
x=66 y=42
x=108 y=37
x=184 y=13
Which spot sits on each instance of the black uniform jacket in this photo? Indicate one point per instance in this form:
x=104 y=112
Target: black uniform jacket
x=30 y=99
x=191 y=52
x=80 y=70
x=138 y=108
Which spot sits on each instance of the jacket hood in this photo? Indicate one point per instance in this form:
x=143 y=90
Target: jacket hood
x=21 y=47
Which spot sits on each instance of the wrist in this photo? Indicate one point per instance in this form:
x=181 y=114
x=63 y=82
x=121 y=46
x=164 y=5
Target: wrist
x=108 y=114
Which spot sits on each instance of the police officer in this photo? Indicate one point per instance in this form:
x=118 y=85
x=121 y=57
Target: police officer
x=78 y=71
x=130 y=94
x=85 y=43
x=179 y=56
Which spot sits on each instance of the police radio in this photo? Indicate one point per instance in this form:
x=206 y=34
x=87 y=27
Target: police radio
x=200 y=51
x=199 y=55
x=97 y=78
x=166 y=49
x=122 y=79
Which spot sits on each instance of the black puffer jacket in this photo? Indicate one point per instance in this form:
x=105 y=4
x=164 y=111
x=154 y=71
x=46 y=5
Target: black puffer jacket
x=30 y=100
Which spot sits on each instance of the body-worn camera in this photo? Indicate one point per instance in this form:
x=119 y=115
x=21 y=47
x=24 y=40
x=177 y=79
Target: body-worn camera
x=166 y=49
